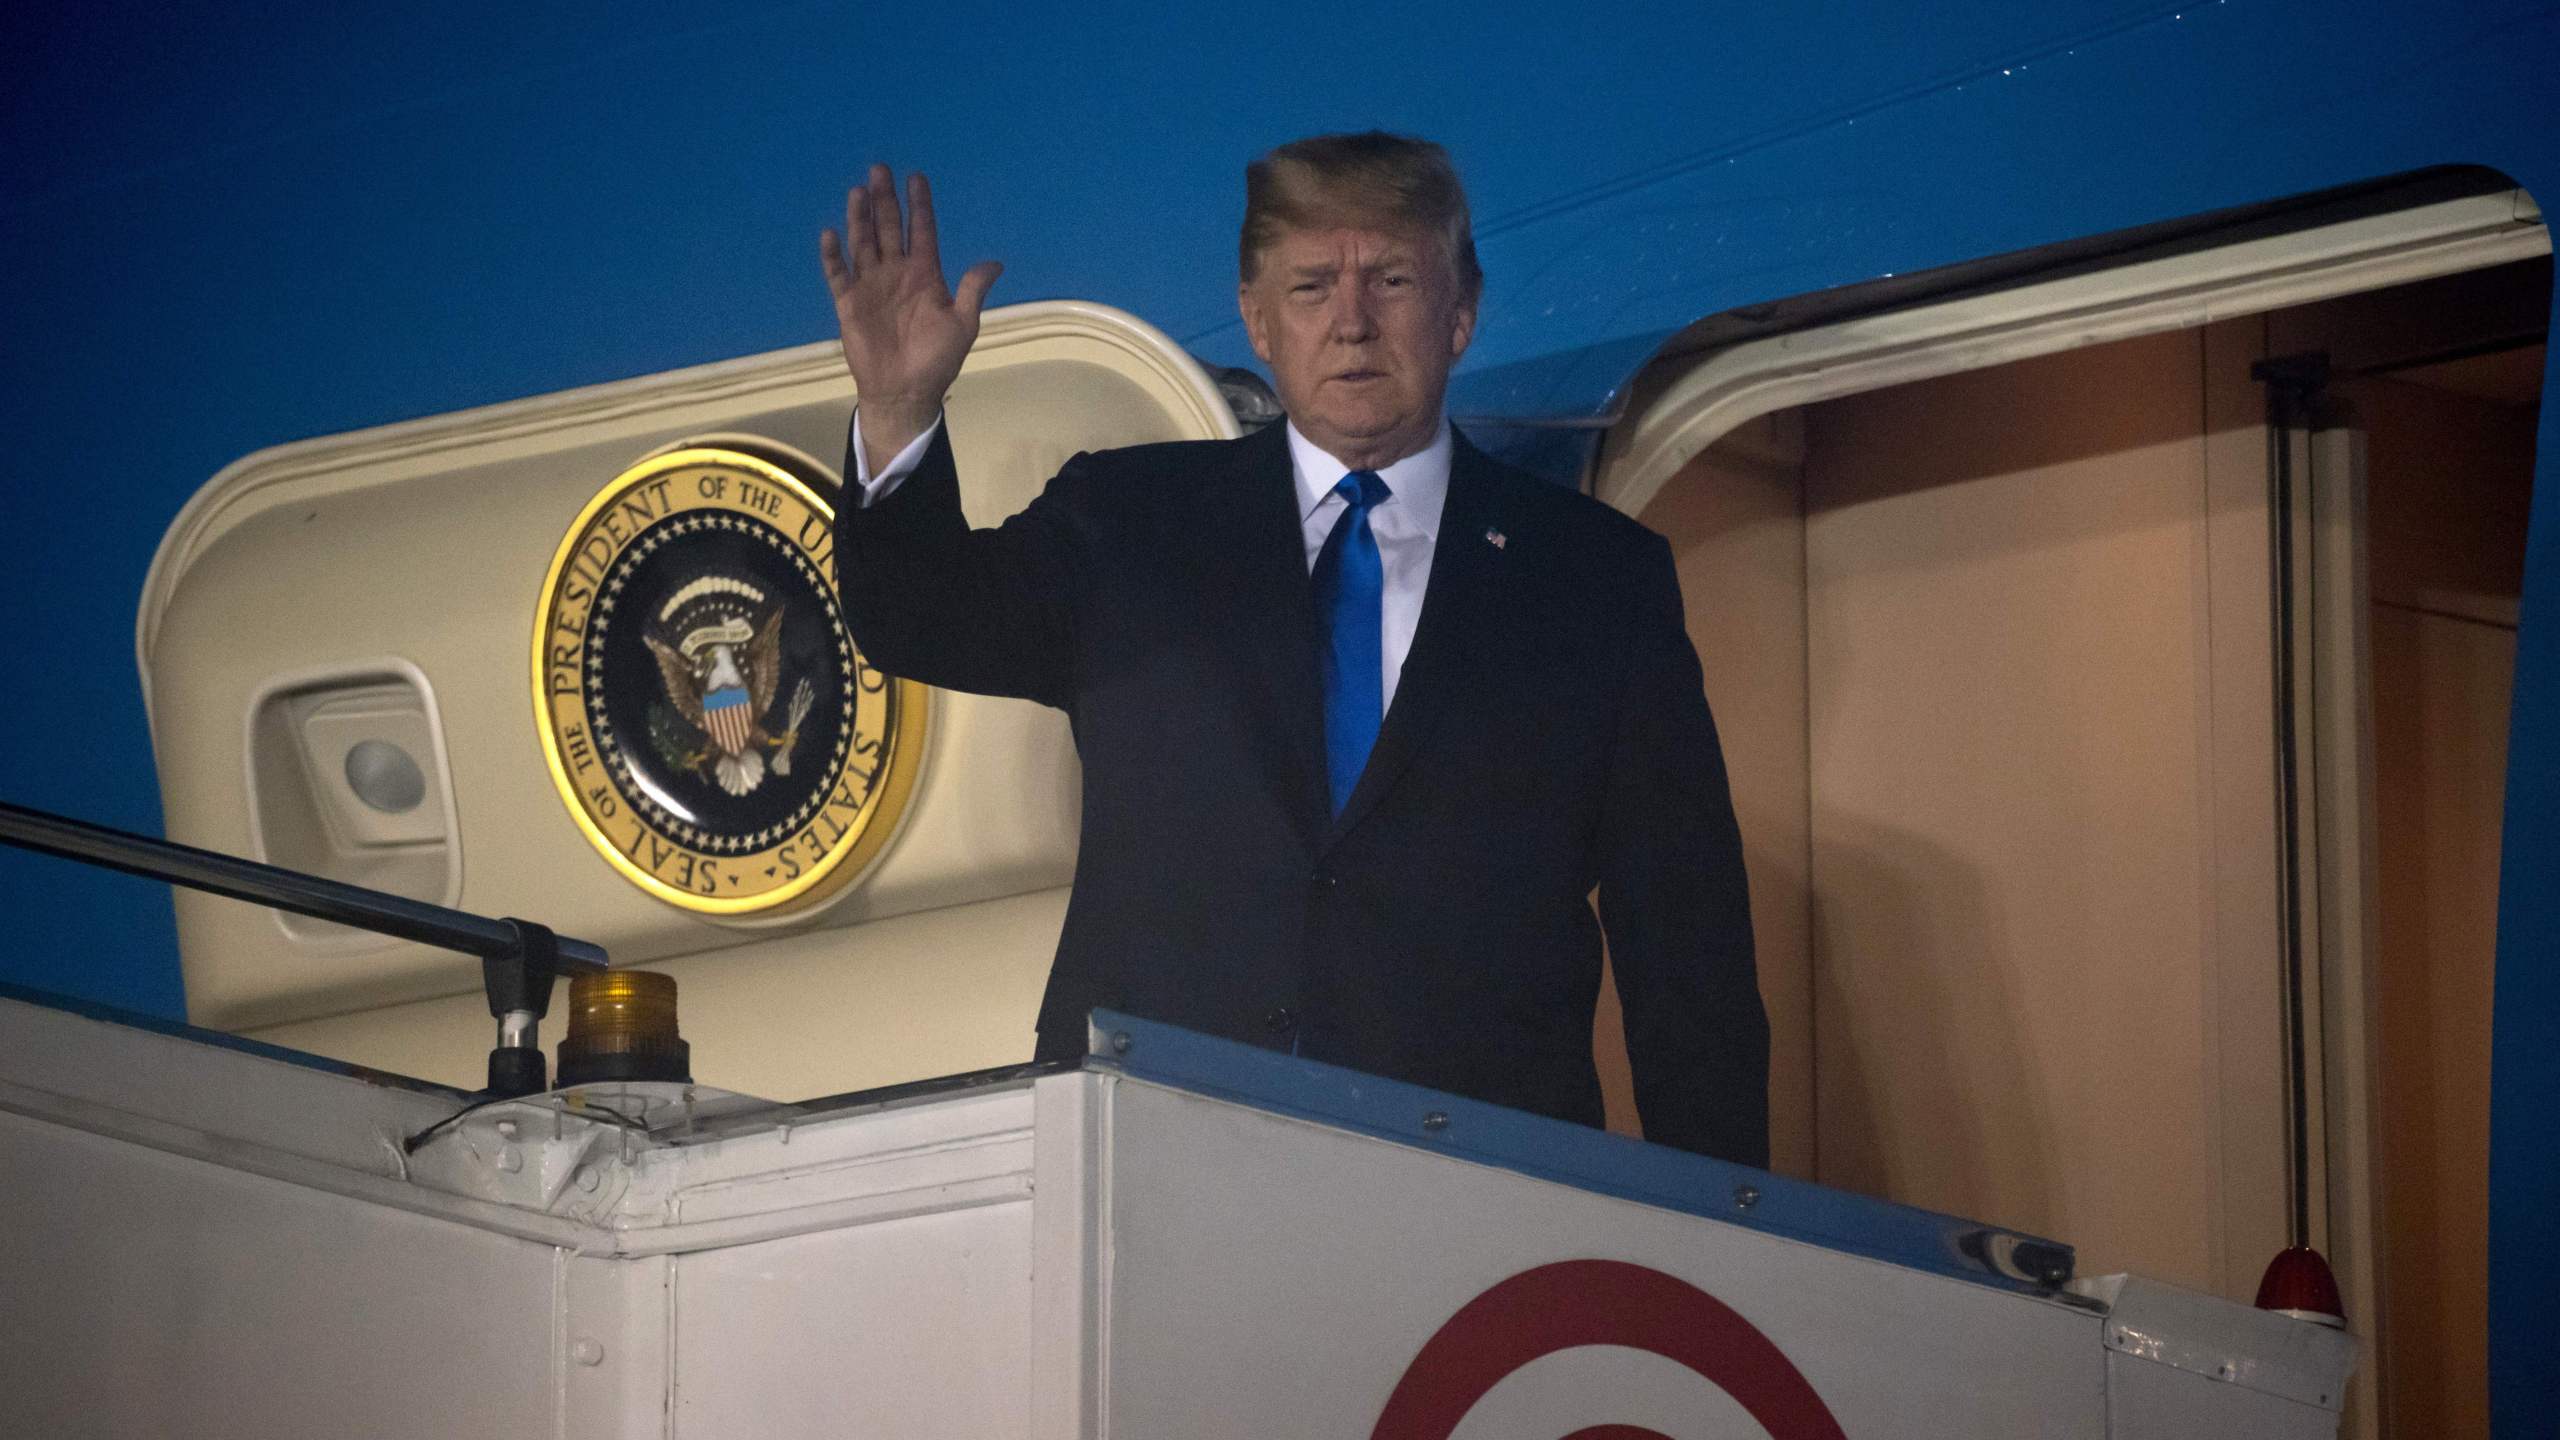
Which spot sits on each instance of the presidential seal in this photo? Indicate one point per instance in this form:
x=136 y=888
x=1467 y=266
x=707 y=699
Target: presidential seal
x=707 y=720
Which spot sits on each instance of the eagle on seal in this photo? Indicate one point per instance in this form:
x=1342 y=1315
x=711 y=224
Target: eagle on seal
x=721 y=663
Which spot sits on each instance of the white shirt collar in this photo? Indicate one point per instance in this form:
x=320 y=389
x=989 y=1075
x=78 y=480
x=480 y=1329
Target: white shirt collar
x=1418 y=484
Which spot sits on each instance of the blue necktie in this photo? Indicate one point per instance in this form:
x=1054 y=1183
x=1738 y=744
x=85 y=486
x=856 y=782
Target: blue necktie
x=1349 y=582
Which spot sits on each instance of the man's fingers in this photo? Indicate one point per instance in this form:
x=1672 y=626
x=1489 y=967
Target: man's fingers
x=855 y=227
x=923 y=242
x=831 y=260
x=881 y=199
x=861 y=241
x=971 y=295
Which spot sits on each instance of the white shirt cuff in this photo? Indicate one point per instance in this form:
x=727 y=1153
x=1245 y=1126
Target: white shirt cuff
x=875 y=488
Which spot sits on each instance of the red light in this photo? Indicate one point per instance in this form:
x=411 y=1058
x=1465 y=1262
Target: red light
x=2298 y=1283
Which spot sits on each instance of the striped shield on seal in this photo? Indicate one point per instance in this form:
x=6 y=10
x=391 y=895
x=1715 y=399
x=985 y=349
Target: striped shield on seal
x=724 y=714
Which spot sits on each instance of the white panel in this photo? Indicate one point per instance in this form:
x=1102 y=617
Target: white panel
x=1071 y=1182
x=1273 y=1277
x=1552 y=1395
x=2146 y=1401
x=151 y=1295
x=916 y=1329
x=610 y=1347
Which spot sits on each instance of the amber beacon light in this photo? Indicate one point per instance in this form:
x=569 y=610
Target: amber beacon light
x=622 y=1026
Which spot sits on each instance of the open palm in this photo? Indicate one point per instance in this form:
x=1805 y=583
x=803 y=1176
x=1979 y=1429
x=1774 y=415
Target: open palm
x=905 y=330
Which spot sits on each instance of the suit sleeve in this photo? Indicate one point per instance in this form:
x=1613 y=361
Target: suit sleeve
x=988 y=611
x=1673 y=897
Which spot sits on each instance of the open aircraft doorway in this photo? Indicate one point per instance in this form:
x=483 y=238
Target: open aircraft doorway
x=2111 y=651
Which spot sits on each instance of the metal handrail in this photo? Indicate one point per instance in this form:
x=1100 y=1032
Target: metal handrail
x=273 y=885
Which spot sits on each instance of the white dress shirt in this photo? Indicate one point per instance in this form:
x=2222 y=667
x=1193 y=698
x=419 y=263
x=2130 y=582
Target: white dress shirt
x=1406 y=523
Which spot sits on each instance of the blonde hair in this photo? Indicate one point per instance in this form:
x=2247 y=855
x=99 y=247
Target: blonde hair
x=1371 y=178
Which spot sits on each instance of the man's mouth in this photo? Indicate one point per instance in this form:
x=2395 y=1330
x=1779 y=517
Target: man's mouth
x=1360 y=377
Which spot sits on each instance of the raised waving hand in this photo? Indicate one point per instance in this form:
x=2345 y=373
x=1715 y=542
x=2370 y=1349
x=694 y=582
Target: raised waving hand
x=905 y=329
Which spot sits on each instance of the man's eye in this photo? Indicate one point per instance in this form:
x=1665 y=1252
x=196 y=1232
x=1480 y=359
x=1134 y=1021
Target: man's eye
x=1393 y=281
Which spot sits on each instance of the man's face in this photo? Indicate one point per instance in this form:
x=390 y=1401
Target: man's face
x=1359 y=328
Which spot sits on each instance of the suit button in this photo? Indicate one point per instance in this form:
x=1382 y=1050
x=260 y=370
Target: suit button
x=1327 y=880
x=1279 y=1019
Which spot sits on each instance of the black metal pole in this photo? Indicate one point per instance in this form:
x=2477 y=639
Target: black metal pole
x=2293 y=382
x=312 y=895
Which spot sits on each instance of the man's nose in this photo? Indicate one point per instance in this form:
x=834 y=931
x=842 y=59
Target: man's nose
x=1352 y=320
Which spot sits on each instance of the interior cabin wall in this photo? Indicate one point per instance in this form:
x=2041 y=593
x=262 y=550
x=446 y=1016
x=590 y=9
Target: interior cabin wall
x=2009 y=687
x=2001 y=775
x=1954 y=635
x=2449 y=476
x=2441 y=692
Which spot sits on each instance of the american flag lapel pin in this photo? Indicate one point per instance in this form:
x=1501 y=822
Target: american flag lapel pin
x=1497 y=539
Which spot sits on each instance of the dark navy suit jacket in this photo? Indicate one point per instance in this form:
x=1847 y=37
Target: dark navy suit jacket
x=1549 y=738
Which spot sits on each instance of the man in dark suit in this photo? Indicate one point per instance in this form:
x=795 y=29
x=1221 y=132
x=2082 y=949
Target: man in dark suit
x=1365 y=716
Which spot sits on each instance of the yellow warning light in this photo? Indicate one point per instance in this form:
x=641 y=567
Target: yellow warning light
x=622 y=1026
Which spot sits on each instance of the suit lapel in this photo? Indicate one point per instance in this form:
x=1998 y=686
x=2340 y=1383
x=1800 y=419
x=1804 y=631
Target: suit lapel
x=1261 y=573
x=1464 y=583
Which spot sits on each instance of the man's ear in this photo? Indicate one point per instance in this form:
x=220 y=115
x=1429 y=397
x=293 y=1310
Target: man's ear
x=1252 y=314
x=1463 y=331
